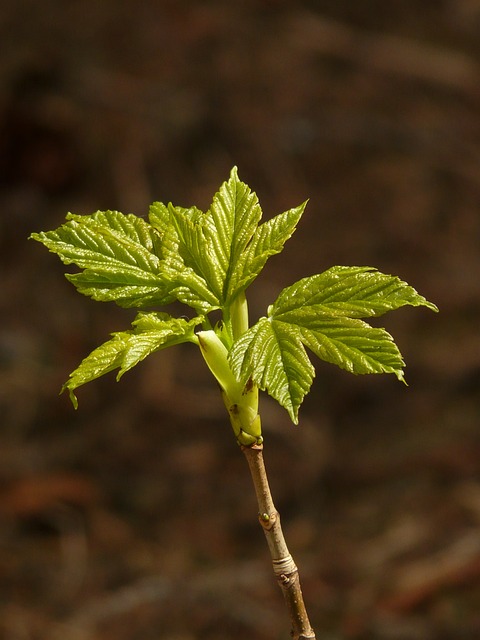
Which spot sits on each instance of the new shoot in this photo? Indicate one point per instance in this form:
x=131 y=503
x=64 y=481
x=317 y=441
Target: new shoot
x=207 y=261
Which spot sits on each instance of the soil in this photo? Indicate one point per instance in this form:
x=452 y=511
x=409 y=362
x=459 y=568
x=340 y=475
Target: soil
x=133 y=518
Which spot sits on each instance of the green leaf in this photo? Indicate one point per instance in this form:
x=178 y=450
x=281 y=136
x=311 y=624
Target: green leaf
x=241 y=245
x=268 y=240
x=356 y=292
x=272 y=354
x=120 y=256
x=232 y=220
x=352 y=344
x=151 y=332
x=206 y=247
x=159 y=217
x=198 y=259
x=323 y=312
x=184 y=262
x=207 y=260
x=210 y=258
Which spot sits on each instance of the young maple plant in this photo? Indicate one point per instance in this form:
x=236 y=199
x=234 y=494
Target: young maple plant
x=207 y=260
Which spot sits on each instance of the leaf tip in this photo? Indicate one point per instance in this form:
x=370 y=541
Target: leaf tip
x=292 y=410
x=73 y=397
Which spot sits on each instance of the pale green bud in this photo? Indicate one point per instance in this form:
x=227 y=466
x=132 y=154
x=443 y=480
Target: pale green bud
x=240 y=400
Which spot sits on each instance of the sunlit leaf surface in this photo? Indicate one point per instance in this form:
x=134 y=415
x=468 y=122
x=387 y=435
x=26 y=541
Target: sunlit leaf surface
x=151 y=332
x=120 y=256
x=322 y=313
x=206 y=260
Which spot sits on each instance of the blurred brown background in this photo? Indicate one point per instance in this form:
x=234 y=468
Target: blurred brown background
x=133 y=518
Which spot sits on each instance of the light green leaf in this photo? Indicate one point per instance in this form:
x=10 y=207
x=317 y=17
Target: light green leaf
x=353 y=345
x=268 y=240
x=187 y=263
x=120 y=256
x=207 y=260
x=159 y=217
x=196 y=252
x=206 y=247
x=179 y=266
x=231 y=222
x=151 y=332
x=210 y=258
x=272 y=354
x=323 y=313
x=356 y=292
x=326 y=309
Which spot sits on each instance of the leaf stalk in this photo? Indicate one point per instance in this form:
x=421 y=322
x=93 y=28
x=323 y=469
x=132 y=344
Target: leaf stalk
x=239 y=315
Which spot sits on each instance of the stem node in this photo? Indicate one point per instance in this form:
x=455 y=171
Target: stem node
x=268 y=520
